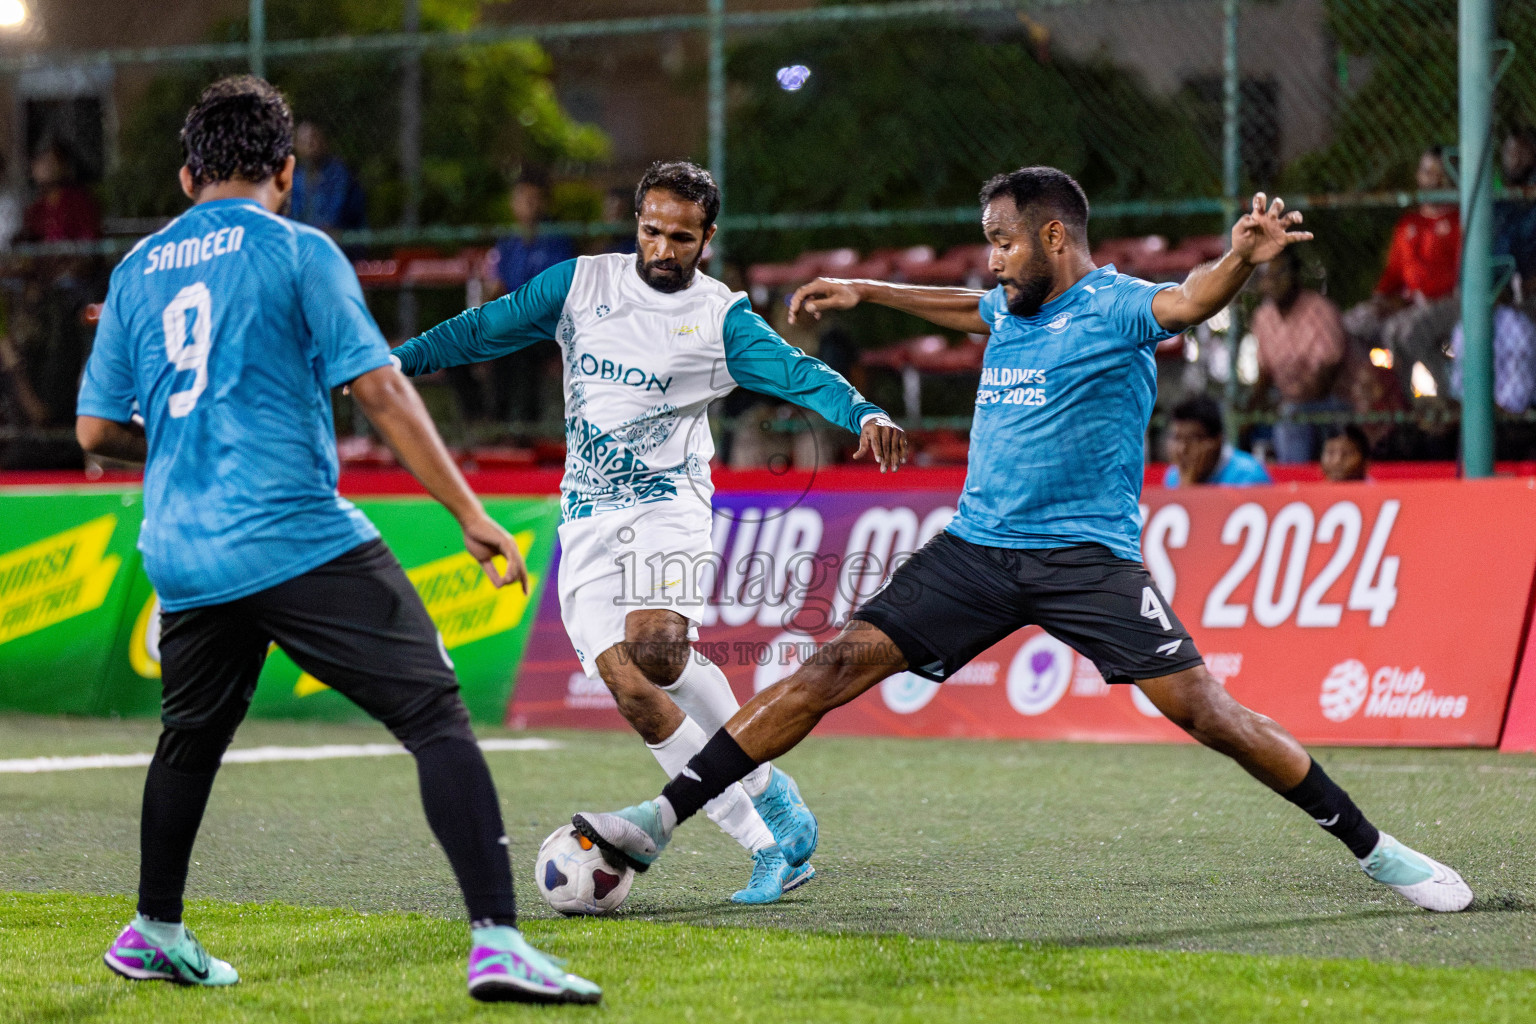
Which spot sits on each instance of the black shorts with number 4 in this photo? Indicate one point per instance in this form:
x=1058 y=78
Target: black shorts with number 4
x=953 y=599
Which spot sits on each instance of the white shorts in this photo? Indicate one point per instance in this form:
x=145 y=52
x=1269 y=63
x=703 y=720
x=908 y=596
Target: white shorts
x=614 y=563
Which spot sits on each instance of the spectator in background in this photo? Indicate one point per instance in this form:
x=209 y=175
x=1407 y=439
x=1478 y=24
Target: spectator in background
x=1514 y=357
x=1301 y=346
x=619 y=208
x=1346 y=455
x=1414 y=308
x=517 y=380
x=1198 y=455
x=325 y=195
x=1514 y=220
x=1374 y=389
x=47 y=343
x=62 y=210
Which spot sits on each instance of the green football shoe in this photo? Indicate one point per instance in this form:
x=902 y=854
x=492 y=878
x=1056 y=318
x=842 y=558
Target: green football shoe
x=135 y=955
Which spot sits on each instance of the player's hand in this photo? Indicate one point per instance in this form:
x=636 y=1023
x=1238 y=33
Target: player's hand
x=1260 y=235
x=885 y=440
x=485 y=539
x=821 y=295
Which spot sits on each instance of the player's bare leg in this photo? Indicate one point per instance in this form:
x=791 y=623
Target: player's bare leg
x=644 y=673
x=1195 y=702
x=769 y=725
x=773 y=722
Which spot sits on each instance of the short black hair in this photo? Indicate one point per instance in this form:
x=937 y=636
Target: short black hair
x=688 y=181
x=1352 y=433
x=1038 y=191
x=241 y=127
x=1201 y=409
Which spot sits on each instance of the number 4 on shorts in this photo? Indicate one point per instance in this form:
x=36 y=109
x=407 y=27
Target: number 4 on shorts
x=1152 y=608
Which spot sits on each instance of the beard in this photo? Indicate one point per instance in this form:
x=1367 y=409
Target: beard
x=1028 y=293
x=666 y=275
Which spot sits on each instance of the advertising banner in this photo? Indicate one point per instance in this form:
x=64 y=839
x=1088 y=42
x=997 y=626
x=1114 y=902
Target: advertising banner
x=67 y=565
x=483 y=629
x=1520 y=722
x=1353 y=614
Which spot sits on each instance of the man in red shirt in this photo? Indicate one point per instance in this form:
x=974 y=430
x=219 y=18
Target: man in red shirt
x=1301 y=347
x=63 y=211
x=1415 y=306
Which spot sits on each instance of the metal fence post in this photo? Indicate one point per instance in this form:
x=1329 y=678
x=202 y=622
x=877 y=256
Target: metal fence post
x=717 y=115
x=1476 y=101
x=409 y=141
x=258 y=31
x=410 y=121
x=1231 y=182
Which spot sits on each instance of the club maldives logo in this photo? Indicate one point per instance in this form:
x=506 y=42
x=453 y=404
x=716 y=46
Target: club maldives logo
x=1389 y=692
x=1059 y=323
x=1039 y=675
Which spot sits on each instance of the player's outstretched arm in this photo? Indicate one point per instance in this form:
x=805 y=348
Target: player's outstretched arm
x=396 y=410
x=1258 y=237
x=112 y=440
x=757 y=358
x=500 y=327
x=953 y=308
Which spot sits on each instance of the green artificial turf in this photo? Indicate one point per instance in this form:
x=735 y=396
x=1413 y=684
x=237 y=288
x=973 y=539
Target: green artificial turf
x=335 y=966
x=956 y=881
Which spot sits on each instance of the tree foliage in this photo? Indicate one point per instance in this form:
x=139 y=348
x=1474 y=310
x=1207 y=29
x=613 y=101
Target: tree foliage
x=485 y=111
x=912 y=116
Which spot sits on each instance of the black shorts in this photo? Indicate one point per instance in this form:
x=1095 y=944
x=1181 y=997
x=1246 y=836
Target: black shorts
x=953 y=599
x=355 y=623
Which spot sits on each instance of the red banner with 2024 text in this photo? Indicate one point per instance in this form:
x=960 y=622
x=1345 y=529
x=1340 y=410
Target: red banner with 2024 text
x=1388 y=613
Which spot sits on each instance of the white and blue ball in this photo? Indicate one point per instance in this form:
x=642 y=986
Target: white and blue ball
x=574 y=878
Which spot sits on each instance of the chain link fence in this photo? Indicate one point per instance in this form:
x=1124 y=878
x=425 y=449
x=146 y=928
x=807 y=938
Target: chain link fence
x=851 y=139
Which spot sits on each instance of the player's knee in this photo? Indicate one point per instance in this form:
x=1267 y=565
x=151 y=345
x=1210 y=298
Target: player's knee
x=196 y=750
x=443 y=717
x=1215 y=719
x=657 y=646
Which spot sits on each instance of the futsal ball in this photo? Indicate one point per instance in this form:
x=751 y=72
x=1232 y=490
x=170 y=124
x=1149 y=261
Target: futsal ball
x=575 y=879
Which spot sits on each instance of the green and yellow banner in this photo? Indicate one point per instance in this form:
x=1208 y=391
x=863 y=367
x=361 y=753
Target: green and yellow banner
x=80 y=623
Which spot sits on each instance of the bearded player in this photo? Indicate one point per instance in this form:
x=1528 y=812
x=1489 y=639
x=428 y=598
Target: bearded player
x=1048 y=529
x=647 y=343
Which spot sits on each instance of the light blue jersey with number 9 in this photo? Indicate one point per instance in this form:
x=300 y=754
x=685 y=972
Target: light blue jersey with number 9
x=226 y=332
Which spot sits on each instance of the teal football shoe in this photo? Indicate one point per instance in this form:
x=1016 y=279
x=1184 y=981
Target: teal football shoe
x=1421 y=880
x=790 y=821
x=772 y=877
x=634 y=836
x=135 y=955
x=505 y=968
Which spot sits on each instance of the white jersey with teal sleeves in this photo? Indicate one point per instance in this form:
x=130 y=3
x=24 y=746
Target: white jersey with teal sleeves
x=226 y=331
x=640 y=369
x=1057 y=438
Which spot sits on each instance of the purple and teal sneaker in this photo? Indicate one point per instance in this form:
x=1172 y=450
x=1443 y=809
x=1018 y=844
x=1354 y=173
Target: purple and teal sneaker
x=156 y=951
x=503 y=967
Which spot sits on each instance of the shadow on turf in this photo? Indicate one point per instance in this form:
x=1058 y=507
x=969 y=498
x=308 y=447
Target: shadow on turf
x=1501 y=904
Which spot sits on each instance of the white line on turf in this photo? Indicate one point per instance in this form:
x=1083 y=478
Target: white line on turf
x=251 y=755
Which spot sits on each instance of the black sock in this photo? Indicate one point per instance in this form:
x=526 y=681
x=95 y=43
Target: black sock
x=1332 y=808
x=721 y=763
x=460 y=800
x=173 y=809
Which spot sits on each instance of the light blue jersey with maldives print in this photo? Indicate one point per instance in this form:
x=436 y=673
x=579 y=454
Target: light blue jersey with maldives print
x=226 y=331
x=1056 y=442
